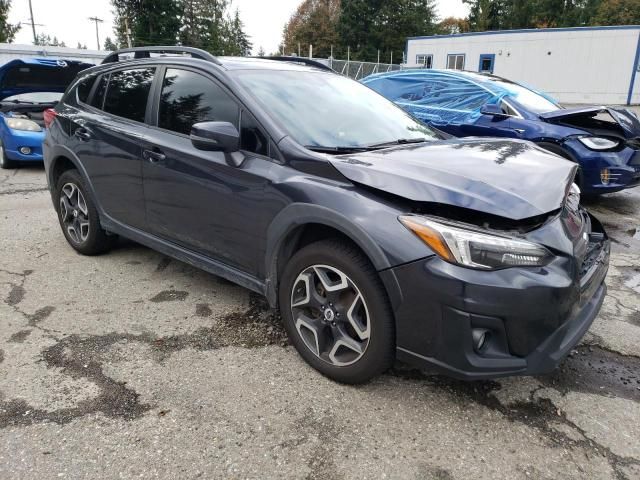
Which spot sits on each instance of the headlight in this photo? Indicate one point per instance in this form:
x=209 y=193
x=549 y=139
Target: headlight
x=599 y=143
x=23 y=124
x=471 y=248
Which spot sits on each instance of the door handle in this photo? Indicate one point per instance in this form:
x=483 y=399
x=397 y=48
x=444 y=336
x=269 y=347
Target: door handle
x=153 y=157
x=83 y=134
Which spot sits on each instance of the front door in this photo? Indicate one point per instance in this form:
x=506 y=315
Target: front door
x=200 y=199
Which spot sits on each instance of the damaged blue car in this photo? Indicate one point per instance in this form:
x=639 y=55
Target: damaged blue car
x=603 y=141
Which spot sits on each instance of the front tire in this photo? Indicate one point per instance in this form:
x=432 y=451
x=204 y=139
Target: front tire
x=78 y=216
x=336 y=312
x=5 y=163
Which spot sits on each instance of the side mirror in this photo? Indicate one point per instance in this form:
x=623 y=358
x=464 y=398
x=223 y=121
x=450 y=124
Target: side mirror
x=215 y=137
x=493 y=110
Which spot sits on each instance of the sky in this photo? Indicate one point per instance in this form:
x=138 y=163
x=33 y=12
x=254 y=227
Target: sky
x=69 y=19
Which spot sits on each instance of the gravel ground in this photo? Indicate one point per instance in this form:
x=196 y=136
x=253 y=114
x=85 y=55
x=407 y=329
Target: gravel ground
x=134 y=365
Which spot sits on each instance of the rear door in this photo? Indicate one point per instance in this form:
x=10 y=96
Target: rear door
x=107 y=135
x=200 y=199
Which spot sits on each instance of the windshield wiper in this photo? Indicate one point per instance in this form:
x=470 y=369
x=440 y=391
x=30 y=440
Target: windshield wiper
x=338 y=150
x=400 y=141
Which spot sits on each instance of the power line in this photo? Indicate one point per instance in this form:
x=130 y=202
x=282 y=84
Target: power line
x=96 y=20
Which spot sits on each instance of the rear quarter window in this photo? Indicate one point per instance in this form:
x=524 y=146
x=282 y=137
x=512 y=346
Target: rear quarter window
x=128 y=93
x=84 y=89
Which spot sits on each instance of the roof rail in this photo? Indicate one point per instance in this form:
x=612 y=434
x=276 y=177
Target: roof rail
x=145 y=52
x=304 y=60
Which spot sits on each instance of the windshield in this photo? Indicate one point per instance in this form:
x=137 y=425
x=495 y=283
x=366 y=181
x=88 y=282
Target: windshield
x=532 y=101
x=35 y=97
x=326 y=110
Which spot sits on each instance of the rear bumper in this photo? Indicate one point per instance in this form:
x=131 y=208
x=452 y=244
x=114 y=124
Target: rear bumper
x=533 y=316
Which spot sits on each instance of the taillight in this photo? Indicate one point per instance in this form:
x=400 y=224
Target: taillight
x=49 y=116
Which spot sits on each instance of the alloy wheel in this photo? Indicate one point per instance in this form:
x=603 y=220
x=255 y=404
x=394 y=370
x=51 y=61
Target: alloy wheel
x=74 y=213
x=330 y=315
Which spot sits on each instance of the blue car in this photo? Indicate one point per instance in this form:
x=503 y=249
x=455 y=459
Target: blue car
x=604 y=141
x=28 y=87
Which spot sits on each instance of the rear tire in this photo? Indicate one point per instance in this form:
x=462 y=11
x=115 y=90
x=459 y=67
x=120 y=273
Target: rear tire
x=78 y=216
x=5 y=163
x=336 y=312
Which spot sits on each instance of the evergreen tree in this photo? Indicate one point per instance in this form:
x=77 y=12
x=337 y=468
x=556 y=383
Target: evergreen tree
x=261 y=52
x=369 y=26
x=237 y=41
x=7 y=30
x=109 y=45
x=204 y=24
x=152 y=22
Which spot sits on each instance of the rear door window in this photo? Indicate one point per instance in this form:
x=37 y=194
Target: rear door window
x=128 y=92
x=188 y=97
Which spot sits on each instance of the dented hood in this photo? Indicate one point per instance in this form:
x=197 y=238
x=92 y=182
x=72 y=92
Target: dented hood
x=624 y=117
x=512 y=179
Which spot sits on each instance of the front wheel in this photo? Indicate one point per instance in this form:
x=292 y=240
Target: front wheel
x=336 y=312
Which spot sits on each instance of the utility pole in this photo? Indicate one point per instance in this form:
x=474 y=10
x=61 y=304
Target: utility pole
x=33 y=25
x=127 y=32
x=97 y=20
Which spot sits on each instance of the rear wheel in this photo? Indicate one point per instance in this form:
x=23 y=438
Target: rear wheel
x=78 y=216
x=336 y=312
x=5 y=163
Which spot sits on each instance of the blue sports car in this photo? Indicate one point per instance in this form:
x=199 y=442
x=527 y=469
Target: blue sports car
x=28 y=87
x=604 y=141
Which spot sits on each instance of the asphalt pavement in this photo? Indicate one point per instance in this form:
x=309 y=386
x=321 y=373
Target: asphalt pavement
x=133 y=365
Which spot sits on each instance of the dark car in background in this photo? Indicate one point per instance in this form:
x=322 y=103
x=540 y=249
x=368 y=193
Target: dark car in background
x=603 y=141
x=28 y=87
x=376 y=237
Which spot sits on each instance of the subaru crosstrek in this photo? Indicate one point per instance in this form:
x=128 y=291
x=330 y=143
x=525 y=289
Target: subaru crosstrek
x=375 y=236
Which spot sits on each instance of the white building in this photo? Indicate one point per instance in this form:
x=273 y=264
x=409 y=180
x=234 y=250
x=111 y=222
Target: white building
x=597 y=65
x=11 y=51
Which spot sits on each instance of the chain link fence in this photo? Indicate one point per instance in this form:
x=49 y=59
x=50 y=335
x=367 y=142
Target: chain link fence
x=357 y=70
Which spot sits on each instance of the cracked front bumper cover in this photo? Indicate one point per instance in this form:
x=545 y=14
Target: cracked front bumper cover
x=534 y=316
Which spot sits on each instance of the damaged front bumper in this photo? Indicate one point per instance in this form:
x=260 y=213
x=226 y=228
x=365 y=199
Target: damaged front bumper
x=530 y=317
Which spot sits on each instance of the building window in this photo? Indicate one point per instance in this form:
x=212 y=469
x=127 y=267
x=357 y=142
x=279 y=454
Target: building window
x=455 y=61
x=424 y=61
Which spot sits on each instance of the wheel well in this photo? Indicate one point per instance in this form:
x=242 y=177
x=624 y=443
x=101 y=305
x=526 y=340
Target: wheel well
x=305 y=235
x=61 y=165
x=558 y=150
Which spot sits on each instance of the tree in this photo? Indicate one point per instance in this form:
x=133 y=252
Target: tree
x=7 y=30
x=46 y=41
x=109 y=46
x=315 y=22
x=204 y=24
x=452 y=25
x=261 y=52
x=81 y=47
x=618 y=12
x=372 y=26
x=237 y=41
x=152 y=22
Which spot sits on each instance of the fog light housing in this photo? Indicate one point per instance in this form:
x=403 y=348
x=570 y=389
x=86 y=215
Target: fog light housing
x=25 y=150
x=605 y=176
x=480 y=337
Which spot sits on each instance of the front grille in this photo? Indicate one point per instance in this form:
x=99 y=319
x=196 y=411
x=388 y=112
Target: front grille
x=594 y=248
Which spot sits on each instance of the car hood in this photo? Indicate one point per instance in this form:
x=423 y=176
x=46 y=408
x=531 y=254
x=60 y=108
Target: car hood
x=512 y=179
x=628 y=120
x=38 y=75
